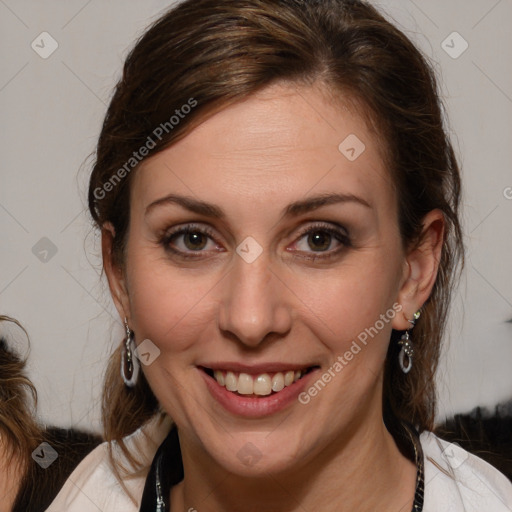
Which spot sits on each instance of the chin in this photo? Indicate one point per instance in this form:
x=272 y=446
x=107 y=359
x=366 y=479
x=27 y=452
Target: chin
x=254 y=454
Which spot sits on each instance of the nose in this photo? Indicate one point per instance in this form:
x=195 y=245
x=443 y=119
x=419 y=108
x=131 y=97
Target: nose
x=254 y=304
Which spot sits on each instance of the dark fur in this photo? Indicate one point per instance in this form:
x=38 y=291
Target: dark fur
x=489 y=436
x=41 y=486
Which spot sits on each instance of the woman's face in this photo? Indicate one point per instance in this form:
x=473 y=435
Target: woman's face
x=259 y=246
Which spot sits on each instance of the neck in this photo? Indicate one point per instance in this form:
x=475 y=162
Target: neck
x=364 y=457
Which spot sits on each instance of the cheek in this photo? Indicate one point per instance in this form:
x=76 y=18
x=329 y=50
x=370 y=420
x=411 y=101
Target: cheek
x=350 y=312
x=349 y=299
x=170 y=308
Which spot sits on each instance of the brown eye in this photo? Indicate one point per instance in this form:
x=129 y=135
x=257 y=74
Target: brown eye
x=322 y=241
x=195 y=240
x=190 y=240
x=319 y=240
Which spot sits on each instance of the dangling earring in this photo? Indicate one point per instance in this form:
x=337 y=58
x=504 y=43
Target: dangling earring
x=129 y=363
x=405 y=355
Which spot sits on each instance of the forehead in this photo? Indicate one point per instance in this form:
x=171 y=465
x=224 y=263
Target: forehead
x=284 y=141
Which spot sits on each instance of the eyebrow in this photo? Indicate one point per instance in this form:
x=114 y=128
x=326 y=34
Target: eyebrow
x=294 y=209
x=312 y=203
x=189 y=203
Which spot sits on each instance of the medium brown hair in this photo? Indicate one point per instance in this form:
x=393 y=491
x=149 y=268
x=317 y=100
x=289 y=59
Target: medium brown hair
x=218 y=52
x=21 y=434
x=18 y=397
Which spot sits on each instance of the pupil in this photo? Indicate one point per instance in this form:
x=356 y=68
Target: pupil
x=195 y=241
x=320 y=240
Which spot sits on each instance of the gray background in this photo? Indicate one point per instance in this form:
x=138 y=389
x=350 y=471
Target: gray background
x=52 y=111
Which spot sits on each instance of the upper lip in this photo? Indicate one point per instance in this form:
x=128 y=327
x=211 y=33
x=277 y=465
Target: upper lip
x=256 y=369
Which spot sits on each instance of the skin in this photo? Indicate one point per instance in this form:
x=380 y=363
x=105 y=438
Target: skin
x=252 y=160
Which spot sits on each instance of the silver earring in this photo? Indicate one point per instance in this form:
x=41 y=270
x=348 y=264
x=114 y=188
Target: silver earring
x=129 y=363
x=405 y=355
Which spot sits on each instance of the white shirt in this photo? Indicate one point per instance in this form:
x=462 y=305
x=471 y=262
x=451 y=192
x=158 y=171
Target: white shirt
x=455 y=480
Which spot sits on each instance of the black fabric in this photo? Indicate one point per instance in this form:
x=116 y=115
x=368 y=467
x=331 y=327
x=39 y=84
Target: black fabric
x=157 y=489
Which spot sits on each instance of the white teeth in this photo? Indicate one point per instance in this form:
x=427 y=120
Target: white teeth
x=277 y=382
x=219 y=377
x=288 y=377
x=245 y=384
x=231 y=381
x=261 y=385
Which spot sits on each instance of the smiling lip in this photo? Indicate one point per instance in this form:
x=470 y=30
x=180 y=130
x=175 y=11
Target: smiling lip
x=251 y=406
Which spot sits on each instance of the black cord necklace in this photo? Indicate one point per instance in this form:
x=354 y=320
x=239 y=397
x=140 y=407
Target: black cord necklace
x=157 y=489
x=417 y=505
x=158 y=482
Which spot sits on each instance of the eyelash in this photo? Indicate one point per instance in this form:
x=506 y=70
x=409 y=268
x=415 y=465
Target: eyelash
x=338 y=234
x=184 y=230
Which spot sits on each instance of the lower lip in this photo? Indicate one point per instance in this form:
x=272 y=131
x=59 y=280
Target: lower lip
x=251 y=407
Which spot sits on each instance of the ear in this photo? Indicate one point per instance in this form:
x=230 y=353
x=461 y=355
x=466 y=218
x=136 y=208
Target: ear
x=420 y=269
x=115 y=274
